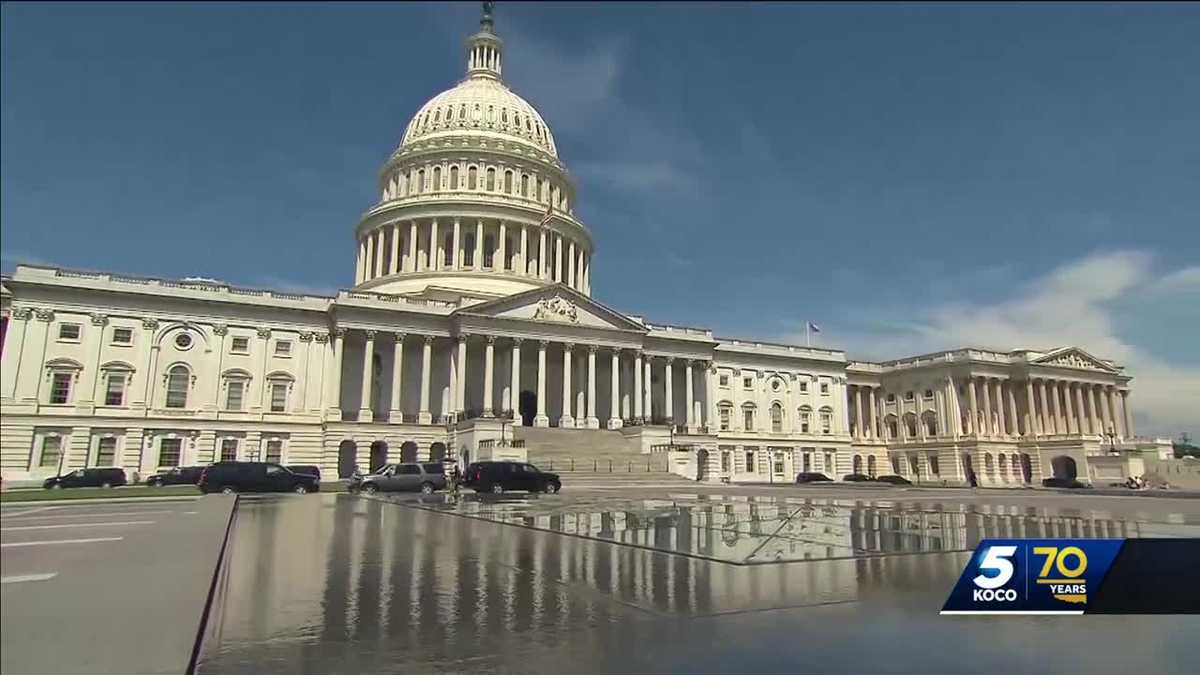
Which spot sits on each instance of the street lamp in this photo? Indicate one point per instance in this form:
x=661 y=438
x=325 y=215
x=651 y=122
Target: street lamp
x=1111 y=435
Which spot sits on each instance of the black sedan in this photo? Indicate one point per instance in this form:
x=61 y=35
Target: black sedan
x=180 y=475
x=97 y=477
x=894 y=480
x=857 y=478
x=812 y=477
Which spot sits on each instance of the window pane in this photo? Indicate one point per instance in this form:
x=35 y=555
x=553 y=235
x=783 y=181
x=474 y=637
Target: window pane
x=233 y=399
x=274 y=450
x=115 y=393
x=283 y=348
x=68 y=331
x=122 y=336
x=168 y=451
x=51 y=447
x=106 y=452
x=408 y=469
x=240 y=344
x=177 y=387
x=60 y=388
x=229 y=448
x=278 y=397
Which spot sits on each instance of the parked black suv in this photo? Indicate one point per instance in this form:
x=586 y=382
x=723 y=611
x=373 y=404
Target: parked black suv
x=180 y=475
x=812 y=477
x=308 y=469
x=230 y=477
x=109 y=477
x=500 y=477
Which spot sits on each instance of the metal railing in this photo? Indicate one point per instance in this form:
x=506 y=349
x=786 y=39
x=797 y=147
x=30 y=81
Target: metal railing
x=606 y=466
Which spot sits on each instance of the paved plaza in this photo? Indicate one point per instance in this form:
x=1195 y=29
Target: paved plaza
x=594 y=579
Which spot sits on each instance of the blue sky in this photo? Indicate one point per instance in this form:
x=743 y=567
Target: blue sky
x=909 y=177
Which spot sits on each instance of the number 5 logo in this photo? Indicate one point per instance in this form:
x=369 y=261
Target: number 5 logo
x=996 y=558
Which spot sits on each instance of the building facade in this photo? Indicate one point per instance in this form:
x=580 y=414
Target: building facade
x=472 y=311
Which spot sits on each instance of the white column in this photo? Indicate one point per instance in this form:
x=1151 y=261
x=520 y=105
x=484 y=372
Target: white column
x=1077 y=388
x=365 y=413
x=395 y=262
x=1045 y=423
x=614 y=411
x=541 y=419
x=689 y=396
x=424 y=416
x=710 y=396
x=872 y=428
x=379 y=252
x=1000 y=426
x=369 y=262
x=567 y=421
x=648 y=392
x=413 y=261
x=460 y=401
x=543 y=267
x=558 y=259
x=478 y=264
x=668 y=379
x=501 y=248
x=523 y=269
x=1012 y=409
x=987 y=426
x=435 y=248
x=571 y=265
x=360 y=264
x=592 y=421
x=638 y=399
x=514 y=398
x=489 y=361
x=1125 y=416
x=456 y=263
x=1030 y=407
x=1093 y=418
x=1058 y=421
x=1105 y=421
x=859 y=431
x=333 y=378
x=973 y=409
x=396 y=414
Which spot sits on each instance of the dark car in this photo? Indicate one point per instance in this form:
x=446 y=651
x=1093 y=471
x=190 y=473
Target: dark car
x=857 y=478
x=230 y=477
x=428 y=478
x=306 y=469
x=108 y=477
x=500 y=477
x=894 y=480
x=812 y=477
x=1069 y=483
x=180 y=475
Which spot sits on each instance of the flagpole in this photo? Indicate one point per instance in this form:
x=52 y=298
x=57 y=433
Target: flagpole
x=807 y=333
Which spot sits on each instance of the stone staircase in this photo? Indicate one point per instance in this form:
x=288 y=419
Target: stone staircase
x=590 y=452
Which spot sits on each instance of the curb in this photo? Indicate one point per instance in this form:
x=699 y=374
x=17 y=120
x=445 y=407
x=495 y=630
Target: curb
x=98 y=500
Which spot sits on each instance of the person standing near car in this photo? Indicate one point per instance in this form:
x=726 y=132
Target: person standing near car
x=455 y=479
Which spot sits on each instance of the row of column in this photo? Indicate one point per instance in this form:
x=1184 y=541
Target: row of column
x=526 y=250
x=584 y=416
x=1067 y=407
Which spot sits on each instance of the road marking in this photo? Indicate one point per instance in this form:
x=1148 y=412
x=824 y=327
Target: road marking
x=22 y=511
x=62 y=525
x=59 y=541
x=27 y=577
x=105 y=514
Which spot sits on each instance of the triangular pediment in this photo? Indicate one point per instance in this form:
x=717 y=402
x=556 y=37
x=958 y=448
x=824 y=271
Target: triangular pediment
x=555 y=304
x=1074 y=357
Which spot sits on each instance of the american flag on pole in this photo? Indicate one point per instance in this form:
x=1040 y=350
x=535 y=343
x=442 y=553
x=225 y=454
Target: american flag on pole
x=814 y=327
x=549 y=215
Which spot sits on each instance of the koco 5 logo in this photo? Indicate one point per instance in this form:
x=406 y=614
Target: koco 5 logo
x=990 y=587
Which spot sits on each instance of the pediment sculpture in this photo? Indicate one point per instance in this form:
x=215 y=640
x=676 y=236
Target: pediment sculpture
x=557 y=308
x=1074 y=360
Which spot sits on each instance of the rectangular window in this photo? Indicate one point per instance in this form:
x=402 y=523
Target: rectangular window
x=807 y=461
x=274 y=450
x=726 y=461
x=747 y=382
x=778 y=463
x=933 y=465
x=723 y=380
x=749 y=461
x=106 y=451
x=908 y=396
x=122 y=336
x=283 y=348
x=169 y=450
x=803 y=386
x=824 y=388
x=114 y=392
x=233 y=397
x=229 y=447
x=279 y=396
x=830 y=464
x=748 y=419
x=724 y=419
x=805 y=422
x=239 y=345
x=895 y=466
x=60 y=388
x=68 y=332
x=51 y=451
x=826 y=422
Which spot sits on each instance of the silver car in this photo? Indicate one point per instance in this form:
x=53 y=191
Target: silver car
x=426 y=478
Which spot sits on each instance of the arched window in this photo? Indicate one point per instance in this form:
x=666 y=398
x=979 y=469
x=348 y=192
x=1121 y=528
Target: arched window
x=1002 y=462
x=1015 y=464
x=524 y=185
x=489 y=246
x=454 y=177
x=930 y=424
x=437 y=179
x=437 y=116
x=472 y=182
x=910 y=424
x=504 y=116
x=491 y=115
x=476 y=114
x=508 y=182
x=805 y=420
x=448 y=250
x=776 y=418
x=462 y=111
x=178 y=382
x=421 y=181
x=987 y=464
x=893 y=427
x=857 y=464
x=871 y=466
x=748 y=417
x=491 y=180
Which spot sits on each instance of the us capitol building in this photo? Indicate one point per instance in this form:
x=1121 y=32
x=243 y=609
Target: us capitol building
x=471 y=332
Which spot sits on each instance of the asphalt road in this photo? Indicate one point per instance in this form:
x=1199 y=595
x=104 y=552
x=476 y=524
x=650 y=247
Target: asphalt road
x=105 y=588
x=662 y=580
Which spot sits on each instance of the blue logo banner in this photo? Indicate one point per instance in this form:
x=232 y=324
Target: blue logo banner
x=1032 y=576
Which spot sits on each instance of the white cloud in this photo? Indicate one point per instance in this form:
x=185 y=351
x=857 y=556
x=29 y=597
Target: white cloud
x=1071 y=305
x=1186 y=280
x=639 y=176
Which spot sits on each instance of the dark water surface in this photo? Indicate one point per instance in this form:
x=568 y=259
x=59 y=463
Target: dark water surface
x=677 y=583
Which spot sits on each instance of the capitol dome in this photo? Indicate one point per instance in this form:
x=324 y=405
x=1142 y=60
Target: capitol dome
x=475 y=201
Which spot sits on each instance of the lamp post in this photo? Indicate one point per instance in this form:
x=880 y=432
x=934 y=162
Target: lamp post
x=1112 y=441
